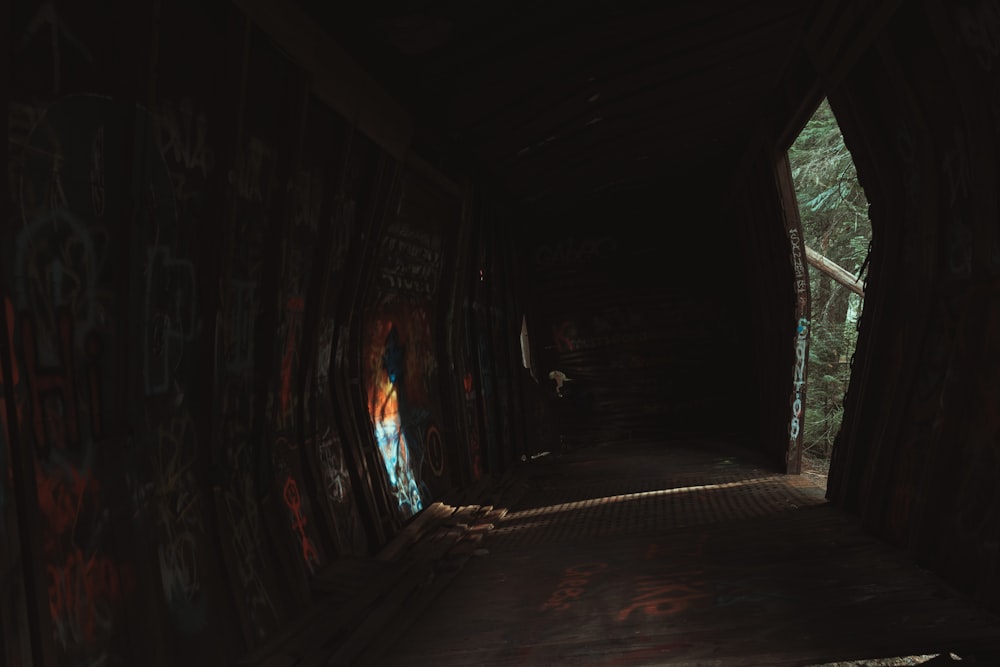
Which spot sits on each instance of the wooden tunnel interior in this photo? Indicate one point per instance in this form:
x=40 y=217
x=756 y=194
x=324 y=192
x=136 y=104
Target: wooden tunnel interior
x=269 y=268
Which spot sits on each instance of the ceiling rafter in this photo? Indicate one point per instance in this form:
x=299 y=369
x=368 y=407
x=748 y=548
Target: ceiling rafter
x=550 y=97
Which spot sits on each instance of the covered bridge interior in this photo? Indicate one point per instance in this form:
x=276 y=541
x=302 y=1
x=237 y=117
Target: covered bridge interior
x=289 y=289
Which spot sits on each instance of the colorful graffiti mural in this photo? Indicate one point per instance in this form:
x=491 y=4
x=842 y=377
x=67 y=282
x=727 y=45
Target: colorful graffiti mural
x=177 y=433
x=393 y=419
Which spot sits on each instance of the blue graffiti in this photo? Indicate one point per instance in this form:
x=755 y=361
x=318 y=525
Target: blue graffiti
x=396 y=456
x=394 y=358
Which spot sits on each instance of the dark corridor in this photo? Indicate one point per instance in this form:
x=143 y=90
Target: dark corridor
x=434 y=332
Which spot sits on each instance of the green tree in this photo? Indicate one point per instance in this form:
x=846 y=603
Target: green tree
x=834 y=212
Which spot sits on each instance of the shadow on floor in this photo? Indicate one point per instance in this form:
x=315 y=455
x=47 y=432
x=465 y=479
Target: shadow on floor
x=648 y=553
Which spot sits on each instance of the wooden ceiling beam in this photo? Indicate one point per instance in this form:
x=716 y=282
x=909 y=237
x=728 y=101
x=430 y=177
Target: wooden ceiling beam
x=337 y=79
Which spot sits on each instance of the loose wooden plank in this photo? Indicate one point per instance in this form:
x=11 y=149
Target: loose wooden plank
x=412 y=532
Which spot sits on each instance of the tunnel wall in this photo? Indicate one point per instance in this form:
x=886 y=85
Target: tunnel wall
x=228 y=360
x=918 y=455
x=631 y=296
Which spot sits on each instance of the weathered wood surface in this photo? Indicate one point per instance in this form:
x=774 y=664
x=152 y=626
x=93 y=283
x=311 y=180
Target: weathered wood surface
x=359 y=601
x=797 y=584
x=835 y=271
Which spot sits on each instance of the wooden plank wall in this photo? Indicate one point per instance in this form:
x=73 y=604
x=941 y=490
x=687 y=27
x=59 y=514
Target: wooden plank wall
x=202 y=250
x=632 y=299
x=919 y=452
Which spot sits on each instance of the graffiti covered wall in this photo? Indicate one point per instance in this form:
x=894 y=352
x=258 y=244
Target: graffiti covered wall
x=179 y=278
x=59 y=260
x=402 y=371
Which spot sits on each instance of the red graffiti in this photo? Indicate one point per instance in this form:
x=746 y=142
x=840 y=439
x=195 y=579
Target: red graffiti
x=82 y=593
x=294 y=503
x=62 y=499
x=565 y=336
x=467 y=382
x=84 y=588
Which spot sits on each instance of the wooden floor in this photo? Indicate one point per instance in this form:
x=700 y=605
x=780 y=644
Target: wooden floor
x=639 y=554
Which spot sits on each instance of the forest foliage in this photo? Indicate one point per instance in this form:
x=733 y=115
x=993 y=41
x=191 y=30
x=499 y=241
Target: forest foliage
x=834 y=212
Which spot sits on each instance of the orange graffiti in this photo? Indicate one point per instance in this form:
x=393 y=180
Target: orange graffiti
x=572 y=585
x=657 y=597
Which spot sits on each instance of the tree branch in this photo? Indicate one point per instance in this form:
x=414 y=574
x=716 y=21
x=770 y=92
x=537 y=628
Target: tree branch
x=835 y=271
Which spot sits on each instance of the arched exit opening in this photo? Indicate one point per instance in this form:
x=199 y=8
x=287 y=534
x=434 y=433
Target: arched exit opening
x=837 y=232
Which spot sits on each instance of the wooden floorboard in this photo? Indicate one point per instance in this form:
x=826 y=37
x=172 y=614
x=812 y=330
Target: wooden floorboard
x=581 y=571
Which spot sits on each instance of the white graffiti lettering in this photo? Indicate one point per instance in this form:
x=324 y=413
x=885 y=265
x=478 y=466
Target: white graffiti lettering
x=182 y=136
x=247 y=179
x=171 y=316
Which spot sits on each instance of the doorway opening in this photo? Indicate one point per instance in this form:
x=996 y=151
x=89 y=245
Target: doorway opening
x=837 y=231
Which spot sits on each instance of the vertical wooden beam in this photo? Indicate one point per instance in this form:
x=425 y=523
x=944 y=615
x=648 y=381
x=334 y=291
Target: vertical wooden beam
x=797 y=246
